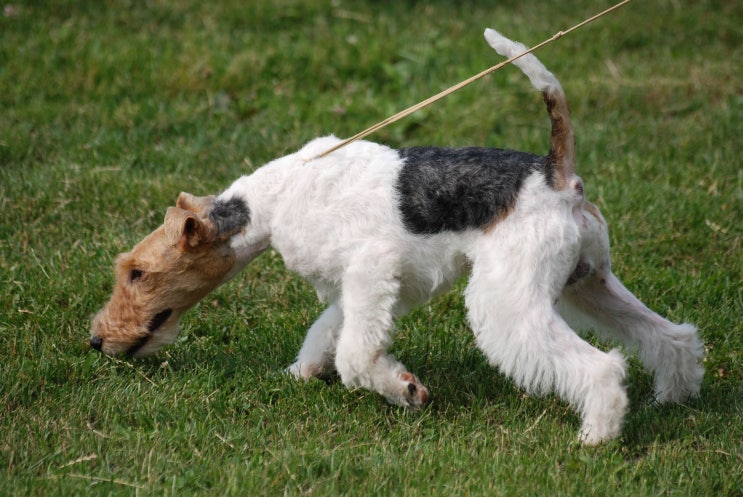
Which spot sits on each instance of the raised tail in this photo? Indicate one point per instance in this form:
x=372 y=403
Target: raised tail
x=562 y=141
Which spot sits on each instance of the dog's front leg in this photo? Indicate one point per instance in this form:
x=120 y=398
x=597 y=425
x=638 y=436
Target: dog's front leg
x=369 y=293
x=318 y=350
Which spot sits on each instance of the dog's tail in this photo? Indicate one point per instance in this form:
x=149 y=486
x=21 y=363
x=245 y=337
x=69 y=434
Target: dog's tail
x=562 y=142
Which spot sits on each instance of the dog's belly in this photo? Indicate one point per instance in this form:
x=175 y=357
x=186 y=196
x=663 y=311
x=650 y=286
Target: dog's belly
x=432 y=264
x=424 y=266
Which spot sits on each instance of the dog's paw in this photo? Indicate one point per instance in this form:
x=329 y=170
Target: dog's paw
x=591 y=435
x=414 y=393
x=679 y=373
x=303 y=371
x=598 y=429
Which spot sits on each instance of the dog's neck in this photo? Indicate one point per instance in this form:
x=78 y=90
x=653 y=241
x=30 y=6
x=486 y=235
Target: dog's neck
x=259 y=191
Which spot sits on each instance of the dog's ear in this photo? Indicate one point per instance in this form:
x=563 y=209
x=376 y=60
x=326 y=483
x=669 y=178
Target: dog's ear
x=192 y=203
x=185 y=230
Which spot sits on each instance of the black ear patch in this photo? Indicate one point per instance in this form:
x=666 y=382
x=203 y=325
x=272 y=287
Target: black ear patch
x=230 y=216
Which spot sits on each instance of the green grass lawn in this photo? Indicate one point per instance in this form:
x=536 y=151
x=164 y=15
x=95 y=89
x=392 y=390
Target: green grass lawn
x=108 y=109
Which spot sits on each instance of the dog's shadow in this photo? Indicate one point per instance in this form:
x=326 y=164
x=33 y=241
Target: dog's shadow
x=458 y=376
x=461 y=377
x=648 y=423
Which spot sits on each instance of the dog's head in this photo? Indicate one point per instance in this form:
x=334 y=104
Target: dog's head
x=167 y=273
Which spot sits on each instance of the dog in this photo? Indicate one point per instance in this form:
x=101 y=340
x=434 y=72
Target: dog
x=378 y=231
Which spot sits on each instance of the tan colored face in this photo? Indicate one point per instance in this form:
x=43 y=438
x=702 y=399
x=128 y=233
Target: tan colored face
x=163 y=276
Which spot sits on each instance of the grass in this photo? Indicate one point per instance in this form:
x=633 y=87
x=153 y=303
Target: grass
x=109 y=109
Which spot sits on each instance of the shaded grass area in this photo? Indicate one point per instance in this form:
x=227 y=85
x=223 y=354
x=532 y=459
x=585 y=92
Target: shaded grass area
x=109 y=109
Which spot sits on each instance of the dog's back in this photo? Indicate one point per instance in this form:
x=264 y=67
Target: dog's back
x=453 y=189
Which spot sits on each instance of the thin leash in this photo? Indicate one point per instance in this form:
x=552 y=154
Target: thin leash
x=462 y=84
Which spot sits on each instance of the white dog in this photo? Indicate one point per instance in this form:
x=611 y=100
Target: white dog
x=378 y=231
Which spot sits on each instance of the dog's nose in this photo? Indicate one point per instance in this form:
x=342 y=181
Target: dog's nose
x=96 y=342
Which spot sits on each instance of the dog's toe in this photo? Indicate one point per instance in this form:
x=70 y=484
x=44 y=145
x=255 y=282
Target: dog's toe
x=415 y=394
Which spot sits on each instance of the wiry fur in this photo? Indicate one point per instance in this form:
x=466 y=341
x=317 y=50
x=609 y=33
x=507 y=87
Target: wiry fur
x=379 y=231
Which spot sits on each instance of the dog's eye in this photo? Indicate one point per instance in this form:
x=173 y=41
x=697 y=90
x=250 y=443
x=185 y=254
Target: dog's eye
x=135 y=274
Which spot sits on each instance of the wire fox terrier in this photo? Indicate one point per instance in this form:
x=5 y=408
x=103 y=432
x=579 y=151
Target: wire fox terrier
x=378 y=231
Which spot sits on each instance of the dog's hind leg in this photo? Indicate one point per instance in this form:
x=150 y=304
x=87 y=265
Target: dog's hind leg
x=370 y=291
x=595 y=298
x=318 y=350
x=671 y=352
x=511 y=311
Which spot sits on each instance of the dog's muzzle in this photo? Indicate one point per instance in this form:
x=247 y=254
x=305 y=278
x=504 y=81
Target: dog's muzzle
x=96 y=343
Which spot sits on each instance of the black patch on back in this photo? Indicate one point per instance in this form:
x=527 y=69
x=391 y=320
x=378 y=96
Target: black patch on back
x=230 y=216
x=452 y=189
